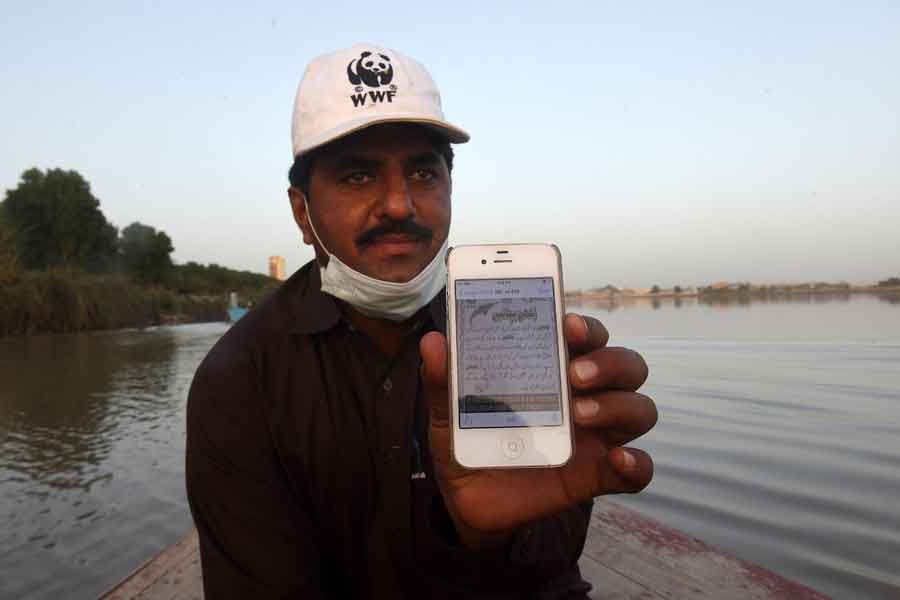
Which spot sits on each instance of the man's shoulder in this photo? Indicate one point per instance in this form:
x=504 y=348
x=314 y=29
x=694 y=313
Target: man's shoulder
x=264 y=328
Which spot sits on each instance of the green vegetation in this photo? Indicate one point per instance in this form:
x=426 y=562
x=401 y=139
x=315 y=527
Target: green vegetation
x=64 y=267
x=61 y=301
x=145 y=253
x=890 y=282
x=58 y=222
x=193 y=278
x=9 y=260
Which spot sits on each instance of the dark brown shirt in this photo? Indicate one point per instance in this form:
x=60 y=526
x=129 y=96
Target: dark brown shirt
x=309 y=476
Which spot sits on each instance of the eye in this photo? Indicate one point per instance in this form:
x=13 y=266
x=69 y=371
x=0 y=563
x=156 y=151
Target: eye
x=369 y=63
x=424 y=174
x=381 y=65
x=357 y=178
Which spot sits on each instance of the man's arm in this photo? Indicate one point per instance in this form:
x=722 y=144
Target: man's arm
x=550 y=549
x=255 y=539
x=536 y=560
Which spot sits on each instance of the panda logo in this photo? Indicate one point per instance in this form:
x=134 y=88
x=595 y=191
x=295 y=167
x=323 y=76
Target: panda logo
x=374 y=70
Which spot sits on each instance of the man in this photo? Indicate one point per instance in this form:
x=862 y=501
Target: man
x=317 y=453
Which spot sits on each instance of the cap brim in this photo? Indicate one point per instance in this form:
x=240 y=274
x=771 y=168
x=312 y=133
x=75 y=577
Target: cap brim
x=451 y=133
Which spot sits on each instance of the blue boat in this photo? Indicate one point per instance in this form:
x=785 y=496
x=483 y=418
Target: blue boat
x=236 y=313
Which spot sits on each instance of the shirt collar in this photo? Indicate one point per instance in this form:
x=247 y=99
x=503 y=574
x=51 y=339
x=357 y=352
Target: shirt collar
x=314 y=311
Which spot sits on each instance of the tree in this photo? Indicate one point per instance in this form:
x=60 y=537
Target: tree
x=677 y=289
x=194 y=278
x=58 y=221
x=145 y=252
x=9 y=259
x=654 y=289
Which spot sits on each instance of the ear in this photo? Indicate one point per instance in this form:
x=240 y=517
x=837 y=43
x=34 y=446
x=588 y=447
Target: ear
x=365 y=54
x=301 y=217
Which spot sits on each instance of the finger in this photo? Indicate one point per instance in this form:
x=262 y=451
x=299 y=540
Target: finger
x=584 y=334
x=597 y=470
x=608 y=368
x=433 y=349
x=632 y=470
x=620 y=416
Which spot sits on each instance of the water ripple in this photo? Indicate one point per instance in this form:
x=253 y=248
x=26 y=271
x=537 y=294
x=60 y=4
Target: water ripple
x=782 y=452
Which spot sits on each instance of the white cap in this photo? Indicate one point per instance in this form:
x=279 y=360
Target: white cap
x=352 y=89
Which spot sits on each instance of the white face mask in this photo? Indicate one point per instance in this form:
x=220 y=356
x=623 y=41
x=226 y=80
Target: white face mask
x=382 y=299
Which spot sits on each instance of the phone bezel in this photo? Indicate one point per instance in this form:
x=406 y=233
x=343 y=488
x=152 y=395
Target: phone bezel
x=482 y=448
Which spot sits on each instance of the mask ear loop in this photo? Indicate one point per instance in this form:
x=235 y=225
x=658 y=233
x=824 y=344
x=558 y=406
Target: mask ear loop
x=313 y=227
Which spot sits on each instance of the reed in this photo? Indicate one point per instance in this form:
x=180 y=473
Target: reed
x=66 y=300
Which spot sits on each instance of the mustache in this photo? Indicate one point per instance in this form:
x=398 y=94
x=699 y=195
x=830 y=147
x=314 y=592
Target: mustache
x=409 y=228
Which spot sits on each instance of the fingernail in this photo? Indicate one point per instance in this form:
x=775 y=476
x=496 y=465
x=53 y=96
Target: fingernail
x=587 y=408
x=586 y=370
x=585 y=325
x=629 y=459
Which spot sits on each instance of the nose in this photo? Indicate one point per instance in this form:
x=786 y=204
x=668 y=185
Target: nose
x=397 y=202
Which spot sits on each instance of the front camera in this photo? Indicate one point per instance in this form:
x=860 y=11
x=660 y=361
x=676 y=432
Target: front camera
x=483 y=261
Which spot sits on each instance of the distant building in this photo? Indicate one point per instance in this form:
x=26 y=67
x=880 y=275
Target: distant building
x=728 y=286
x=276 y=267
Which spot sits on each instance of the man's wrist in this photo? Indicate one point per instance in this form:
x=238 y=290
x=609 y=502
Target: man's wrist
x=470 y=538
x=479 y=541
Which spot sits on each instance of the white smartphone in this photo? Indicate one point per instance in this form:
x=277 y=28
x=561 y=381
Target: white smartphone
x=509 y=389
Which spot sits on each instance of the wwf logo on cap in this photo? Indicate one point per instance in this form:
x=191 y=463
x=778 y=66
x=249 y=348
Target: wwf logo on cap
x=374 y=70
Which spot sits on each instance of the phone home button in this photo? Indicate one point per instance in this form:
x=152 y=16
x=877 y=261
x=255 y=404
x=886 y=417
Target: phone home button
x=512 y=447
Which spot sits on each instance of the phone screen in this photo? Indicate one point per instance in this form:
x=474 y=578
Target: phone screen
x=507 y=353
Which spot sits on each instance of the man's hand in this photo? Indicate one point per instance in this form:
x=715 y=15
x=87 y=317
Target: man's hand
x=608 y=413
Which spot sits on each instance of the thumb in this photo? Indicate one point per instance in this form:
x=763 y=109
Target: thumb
x=433 y=348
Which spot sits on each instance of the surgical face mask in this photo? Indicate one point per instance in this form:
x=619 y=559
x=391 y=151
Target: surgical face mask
x=382 y=299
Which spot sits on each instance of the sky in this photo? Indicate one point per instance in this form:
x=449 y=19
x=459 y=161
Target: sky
x=655 y=143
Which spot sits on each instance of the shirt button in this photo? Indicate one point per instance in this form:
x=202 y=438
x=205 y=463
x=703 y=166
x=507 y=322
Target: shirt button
x=388 y=385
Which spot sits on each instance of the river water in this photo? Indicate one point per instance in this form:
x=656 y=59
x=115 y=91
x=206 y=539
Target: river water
x=778 y=441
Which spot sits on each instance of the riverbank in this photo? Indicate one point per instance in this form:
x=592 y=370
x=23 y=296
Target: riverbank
x=66 y=301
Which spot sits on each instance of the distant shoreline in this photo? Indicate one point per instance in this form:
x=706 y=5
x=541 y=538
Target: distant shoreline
x=752 y=292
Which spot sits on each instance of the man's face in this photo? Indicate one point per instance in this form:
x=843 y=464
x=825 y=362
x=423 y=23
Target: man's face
x=379 y=200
